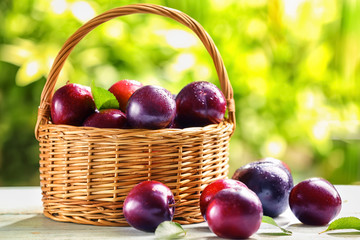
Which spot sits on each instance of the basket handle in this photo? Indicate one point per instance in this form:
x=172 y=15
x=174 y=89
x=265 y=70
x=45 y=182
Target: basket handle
x=48 y=90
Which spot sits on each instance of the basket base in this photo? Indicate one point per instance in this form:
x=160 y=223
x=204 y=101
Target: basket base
x=114 y=223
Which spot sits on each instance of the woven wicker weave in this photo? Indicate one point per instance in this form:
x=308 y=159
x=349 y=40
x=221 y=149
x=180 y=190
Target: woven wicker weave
x=86 y=173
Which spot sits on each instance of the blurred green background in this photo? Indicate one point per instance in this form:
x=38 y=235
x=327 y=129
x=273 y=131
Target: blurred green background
x=294 y=66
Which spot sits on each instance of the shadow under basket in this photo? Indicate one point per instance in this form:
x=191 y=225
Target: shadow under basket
x=86 y=173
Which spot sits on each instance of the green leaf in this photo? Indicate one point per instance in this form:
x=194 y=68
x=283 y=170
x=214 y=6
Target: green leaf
x=271 y=221
x=103 y=98
x=344 y=223
x=169 y=230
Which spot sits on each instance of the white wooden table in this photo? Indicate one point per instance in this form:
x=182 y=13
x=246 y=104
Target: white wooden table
x=21 y=218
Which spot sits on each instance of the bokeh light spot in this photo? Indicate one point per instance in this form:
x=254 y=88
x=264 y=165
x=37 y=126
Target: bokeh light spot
x=82 y=11
x=59 y=6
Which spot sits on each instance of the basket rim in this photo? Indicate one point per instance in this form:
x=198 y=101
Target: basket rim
x=226 y=124
x=49 y=87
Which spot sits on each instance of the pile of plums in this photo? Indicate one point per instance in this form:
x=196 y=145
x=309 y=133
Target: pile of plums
x=233 y=208
x=148 y=107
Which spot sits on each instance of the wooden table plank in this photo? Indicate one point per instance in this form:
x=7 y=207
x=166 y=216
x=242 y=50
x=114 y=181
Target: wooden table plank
x=20 y=200
x=21 y=218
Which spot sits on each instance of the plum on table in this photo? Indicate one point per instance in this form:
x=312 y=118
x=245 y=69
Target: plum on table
x=210 y=191
x=234 y=213
x=148 y=204
x=315 y=201
x=271 y=181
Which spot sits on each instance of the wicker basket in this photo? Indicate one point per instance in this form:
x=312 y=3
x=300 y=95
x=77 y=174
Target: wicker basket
x=86 y=173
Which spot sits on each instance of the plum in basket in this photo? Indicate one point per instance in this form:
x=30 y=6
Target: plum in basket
x=72 y=104
x=199 y=104
x=107 y=118
x=151 y=107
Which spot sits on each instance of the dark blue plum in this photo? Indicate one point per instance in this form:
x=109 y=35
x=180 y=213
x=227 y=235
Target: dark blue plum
x=272 y=182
